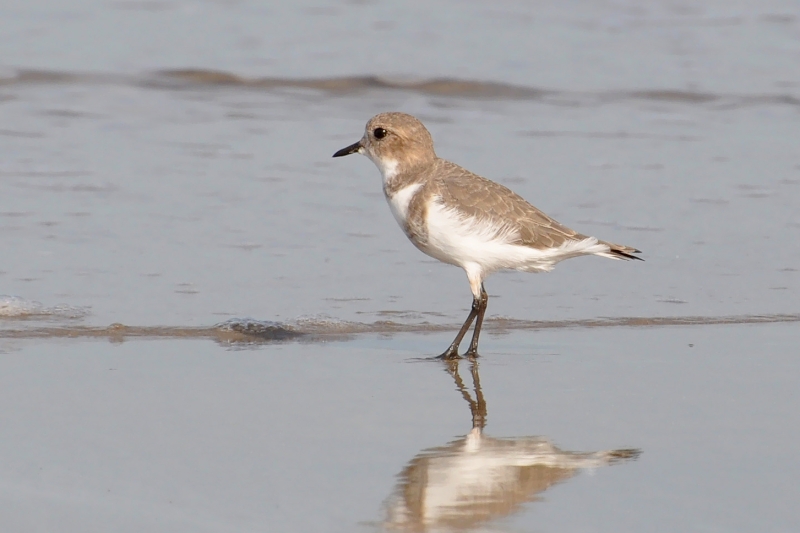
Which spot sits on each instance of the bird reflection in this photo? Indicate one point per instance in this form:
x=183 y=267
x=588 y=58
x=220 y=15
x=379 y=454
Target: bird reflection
x=478 y=478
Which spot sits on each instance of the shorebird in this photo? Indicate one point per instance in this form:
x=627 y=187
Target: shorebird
x=464 y=219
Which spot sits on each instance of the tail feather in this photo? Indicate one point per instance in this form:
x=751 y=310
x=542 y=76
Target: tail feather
x=618 y=251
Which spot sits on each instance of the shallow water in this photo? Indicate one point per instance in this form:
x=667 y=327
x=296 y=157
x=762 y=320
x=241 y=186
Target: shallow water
x=157 y=207
x=608 y=429
x=185 y=188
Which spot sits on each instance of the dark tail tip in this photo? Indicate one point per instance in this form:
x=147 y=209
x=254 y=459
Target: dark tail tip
x=627 y=253
x=629 y=454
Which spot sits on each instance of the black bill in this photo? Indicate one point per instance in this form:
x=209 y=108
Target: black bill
x=352 y=149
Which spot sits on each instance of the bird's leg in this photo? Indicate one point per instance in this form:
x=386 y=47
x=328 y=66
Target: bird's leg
x=452 y=351
x=482 y=304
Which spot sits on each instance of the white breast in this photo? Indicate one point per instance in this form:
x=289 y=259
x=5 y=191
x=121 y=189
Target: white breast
x=399 y=201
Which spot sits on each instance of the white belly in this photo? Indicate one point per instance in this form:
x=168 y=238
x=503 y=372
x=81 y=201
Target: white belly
x=470 y=242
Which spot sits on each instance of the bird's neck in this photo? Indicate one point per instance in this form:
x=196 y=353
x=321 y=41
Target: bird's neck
x=398 y=175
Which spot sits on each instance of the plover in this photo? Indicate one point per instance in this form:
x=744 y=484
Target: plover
x=464 y=219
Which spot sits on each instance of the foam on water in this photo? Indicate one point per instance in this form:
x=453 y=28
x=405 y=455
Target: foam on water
x=16 y=307
x=321 y=324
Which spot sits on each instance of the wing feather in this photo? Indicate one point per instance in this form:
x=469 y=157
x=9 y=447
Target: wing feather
x=476 y=196
x=486 y=200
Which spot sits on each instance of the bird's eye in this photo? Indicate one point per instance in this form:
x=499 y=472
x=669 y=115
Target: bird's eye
x=379 y=133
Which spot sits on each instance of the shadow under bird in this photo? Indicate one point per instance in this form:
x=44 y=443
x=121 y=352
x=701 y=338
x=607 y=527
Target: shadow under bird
x=464 y=219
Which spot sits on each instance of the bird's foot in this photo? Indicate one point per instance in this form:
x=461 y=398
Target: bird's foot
x=472 y=353
x=450 y=354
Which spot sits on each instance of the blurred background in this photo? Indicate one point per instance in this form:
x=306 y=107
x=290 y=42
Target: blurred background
x=168 y=162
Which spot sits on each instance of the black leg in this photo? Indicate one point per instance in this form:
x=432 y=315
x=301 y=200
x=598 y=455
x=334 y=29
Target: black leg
x=452 y=351
x=483 y=303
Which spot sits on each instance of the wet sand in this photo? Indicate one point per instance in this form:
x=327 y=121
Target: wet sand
x=250 y=331
x=605 y=429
